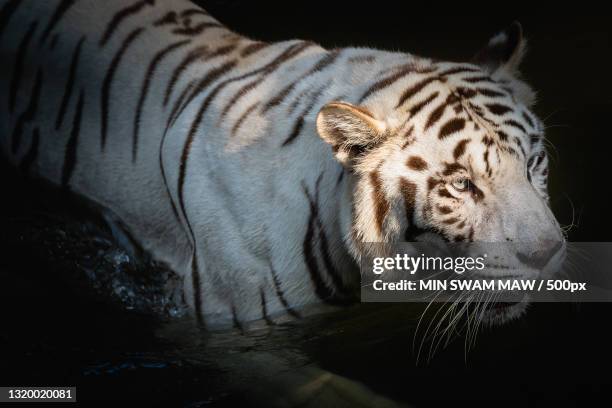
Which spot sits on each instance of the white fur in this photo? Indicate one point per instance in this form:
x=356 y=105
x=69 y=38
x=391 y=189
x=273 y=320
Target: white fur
x=244 y=193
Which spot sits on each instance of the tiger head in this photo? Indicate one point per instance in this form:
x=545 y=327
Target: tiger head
x=451 y=151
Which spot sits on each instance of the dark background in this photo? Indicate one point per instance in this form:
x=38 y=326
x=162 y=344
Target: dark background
x=55 y=333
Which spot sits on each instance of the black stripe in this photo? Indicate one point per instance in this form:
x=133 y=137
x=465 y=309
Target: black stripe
x=264 y=308
x=476 y=79
x=295 y=132
x=324 y=62
x=197 y=55
x=460 y=69
x=514 y=123
x=199 y=29
x=29 y=114
x=280 y=96
x=299 y=123
x=69 y=84
x=168 y=18
x=417 y=108
x=265 y=71
x=296 y=101
x=122 y=15
x=327 y=60
x=281 y=297
x=435 y=115
x=413 y=90
x=253 y=48
x=57 y=16
x=19 y=61
x=388 y=81
x=328 y=263
x=235 y=320
x=183 y=174
x=490 y=93
x=163 y=173
x=164 y=178
x=361 y=59
x=540 y=159
x=197 y=287
x=204 y=83
x=528 y=118
x=195 y=273
x=7 y=12
x=321 y=289
x=192 y=56
x=145 y=90
x=239 y=94
x=70 y=155
x=340 y=176
x=243 y=117
x=520 y=145
x=32 y=154
x=108 y=80
x=498 y=108
x=221 y=51
x=179 y=102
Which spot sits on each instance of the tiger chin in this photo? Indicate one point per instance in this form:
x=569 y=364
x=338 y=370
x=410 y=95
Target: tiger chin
x=263 y=172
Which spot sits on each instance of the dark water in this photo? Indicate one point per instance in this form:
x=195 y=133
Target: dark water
x=76 y=309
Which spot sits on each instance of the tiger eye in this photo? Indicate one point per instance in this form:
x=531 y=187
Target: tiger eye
x=461 y=184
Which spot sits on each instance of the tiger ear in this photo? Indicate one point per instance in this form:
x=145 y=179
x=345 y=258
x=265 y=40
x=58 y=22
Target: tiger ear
x=502 y=56
x=505 y=50
x=349 y=129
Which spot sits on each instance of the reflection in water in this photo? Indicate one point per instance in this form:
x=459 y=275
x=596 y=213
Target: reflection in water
x=278 y=365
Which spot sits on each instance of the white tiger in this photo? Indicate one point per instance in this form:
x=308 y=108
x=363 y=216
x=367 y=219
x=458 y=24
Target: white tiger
x=260 y=172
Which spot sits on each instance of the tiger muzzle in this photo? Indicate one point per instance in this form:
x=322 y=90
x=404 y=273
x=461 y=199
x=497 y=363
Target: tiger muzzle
x=541 y=255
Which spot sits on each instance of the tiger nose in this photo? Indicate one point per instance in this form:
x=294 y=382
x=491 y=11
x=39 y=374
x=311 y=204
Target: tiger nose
x=542 y=254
